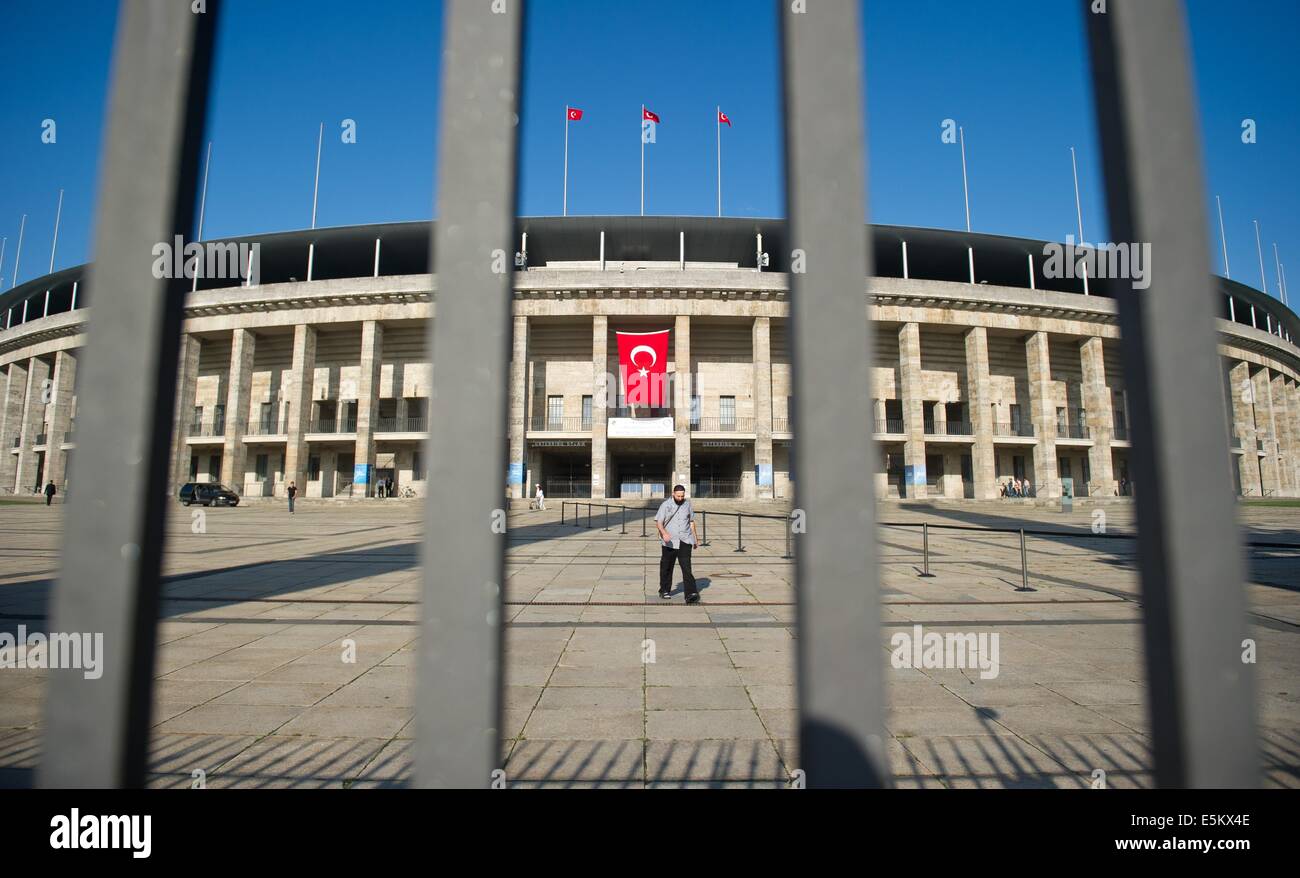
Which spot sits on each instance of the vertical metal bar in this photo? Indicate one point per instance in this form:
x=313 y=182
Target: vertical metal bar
x=740 y=545
x=562 y=505
x=458 y=699
x=840 y=666
x=98 y=730
x=588 y=515
x=788 y=530
x=605 y=518
x=1024 y=563
x=704 y=529
x=1194 y=610
x=623 y=522
x=925 y=548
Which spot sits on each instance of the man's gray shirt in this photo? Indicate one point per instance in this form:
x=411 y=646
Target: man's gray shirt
x=677 y=521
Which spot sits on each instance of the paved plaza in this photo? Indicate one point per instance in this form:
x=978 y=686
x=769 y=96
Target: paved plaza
x=607 y=685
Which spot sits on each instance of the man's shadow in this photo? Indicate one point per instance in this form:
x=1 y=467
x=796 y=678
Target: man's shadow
x=701 y=583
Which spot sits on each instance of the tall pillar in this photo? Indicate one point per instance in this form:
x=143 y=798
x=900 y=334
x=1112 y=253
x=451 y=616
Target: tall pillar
x=518 y=465
x=909 y=391
x=38 y=395
x=1047 y=481
x=979 y=396
x=65 y=379
x=1266 y=430
x=1285 y=436
x=15 y=394
x=187 y=377
x=372 y=356
x=1293 y=451
x=234 y=455
x=682 y=403
x=1242 y=390
x=1100 y=417
x=763 y=407
x=600 y=396
x=300 y=394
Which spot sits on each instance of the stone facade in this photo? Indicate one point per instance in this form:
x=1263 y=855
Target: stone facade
x=324 y=382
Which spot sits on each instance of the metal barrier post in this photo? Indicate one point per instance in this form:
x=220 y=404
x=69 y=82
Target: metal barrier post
x=588 y=516
x=458 y=707
x=1024 y=564
x=1200 y=693
x=605 y=518
x=562 y=505
x=623 y=520
x=704 y=529
x=740 y=546
x=789 y=530
x=925 y=549
x=97 y=731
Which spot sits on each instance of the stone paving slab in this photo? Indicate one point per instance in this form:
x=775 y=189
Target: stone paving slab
x=606 y=685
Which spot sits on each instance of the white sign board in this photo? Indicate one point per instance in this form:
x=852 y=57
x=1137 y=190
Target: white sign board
x=639 y=428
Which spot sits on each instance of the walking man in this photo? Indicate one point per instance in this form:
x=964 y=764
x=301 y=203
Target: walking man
x=675 y=521
x=541 y=497
x=49 y=492
x=292 y=492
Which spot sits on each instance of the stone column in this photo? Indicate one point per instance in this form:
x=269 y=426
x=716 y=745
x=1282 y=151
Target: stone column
x=682 y=403
x=187 y=377
x=1266 y=430
x=763 y=404
x=15 y=394
x=234 y=457
x=372 y=357
x=65 y=379
x=1047 y=482
x=1242 y=391
x=1100 y=417
x=517 y=466
x=909 y=391
x=1285 y=435
x=979 y=396
x=1293 y=409
x=38 y=390
x=299 y=416
x=600 y=397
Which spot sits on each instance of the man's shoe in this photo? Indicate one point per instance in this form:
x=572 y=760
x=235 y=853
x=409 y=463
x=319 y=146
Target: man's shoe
x=666 y=595
x=693 y=598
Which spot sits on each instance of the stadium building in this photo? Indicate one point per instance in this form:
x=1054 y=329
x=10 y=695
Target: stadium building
x=313 y=367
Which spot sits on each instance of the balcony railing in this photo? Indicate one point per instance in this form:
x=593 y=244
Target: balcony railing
x=1234 y=441
x=780 y=425
x=1006 y=428
x=561 y=425
x=891 y=426
x=42 y=438
x=1072 y=431
x=202 y=430
x=949 y=428
x=1121 y=432
x=723 y=425
x=333 y=425
x=18 y=442
x=264 y=428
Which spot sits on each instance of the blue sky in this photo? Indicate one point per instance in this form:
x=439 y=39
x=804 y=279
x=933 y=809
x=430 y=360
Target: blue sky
x=1014 y=74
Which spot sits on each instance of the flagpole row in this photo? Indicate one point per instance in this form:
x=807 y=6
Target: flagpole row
x=566 y=160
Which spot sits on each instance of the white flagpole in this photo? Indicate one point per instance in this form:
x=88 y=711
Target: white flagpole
x=54 y=246
x=1259 y=248
x=964 y=188
x=1223 y=238
x=316 y=188
x=642 y=124
x=18 y=257
x=1078 y=212
x=203 y=206
x=566 y=160
x=717 y=120
x=4 y=243
x=1277 y=263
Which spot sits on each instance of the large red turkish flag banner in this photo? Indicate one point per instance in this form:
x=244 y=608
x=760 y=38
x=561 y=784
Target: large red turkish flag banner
x=643 y=368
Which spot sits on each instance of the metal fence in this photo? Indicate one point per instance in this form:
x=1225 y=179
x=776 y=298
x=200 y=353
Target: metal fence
x=1200 y=693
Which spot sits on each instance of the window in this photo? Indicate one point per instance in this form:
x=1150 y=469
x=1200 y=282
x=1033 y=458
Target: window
x=727 y=408
x=1062 y=423
x=194 y=467
x=198 y=418
x=214 y=467
x=696 y=405
x=586 y=413
x=554 y=412
x=219 y=419
x=417 y=467
x=1015 y=419
x=313 y=468
x=261 y=467
x=265 y=419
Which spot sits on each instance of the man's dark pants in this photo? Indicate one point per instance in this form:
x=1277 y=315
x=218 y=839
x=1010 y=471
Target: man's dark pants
x=670 y=557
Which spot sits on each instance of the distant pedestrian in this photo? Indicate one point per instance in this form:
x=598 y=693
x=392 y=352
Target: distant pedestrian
x=541 y=497
x=292 y=492
x=1029 y=488
x=675 y=521
x=380 y=488
x=50 y=491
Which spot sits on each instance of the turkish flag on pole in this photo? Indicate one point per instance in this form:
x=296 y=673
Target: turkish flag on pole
x=643 y=367
x=722 y=117
x=575 y=115
x=647 y=116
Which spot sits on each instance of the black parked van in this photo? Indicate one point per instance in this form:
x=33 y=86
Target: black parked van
x=208 y=494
